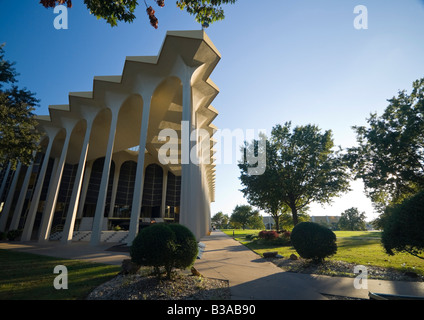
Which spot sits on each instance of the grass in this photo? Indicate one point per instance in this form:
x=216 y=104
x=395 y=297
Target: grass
x=27 y=276
x=359 y=247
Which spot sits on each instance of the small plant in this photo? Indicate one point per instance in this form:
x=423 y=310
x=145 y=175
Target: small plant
x=286 y=234
x=313 y=241
x=268 y=235
x=284 y=239
x=251 y=237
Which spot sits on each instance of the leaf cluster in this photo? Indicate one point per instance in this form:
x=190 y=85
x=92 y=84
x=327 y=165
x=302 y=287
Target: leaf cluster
x=18 y=135
x=390 y=153
x=114 y=11
x=205 y=11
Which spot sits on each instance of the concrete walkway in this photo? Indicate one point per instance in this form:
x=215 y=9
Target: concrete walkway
x=250 y=277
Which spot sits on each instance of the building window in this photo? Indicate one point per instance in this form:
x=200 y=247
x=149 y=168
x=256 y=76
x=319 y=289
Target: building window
x=94 y=187
x=125 y=190
x=173 y=190
x=153 y=181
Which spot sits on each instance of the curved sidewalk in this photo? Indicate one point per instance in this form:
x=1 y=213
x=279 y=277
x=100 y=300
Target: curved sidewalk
x=252 y=277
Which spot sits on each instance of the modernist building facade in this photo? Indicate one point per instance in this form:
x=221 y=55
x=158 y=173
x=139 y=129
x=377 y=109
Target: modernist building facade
x=101 y=164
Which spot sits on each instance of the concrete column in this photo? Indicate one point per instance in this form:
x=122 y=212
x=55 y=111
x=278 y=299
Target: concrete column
x=101 y=201
x=29 y=223
x=68 y=229
x=8 y=204
x=139 y=176
x=49 y=210
x=164 y=187
x=189 y=189
x=204 y=203
x=114 y=187
x=21 y=200
x=85 y=184
x=3 y=183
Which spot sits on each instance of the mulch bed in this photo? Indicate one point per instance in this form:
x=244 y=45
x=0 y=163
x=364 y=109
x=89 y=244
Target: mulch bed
x=344 y=269
x=147 y=287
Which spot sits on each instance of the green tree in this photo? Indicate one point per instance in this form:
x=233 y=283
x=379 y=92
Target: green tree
x=352 y=220
x=390 y=155
x=243 y=216
x=220 y=220
x=301 y=168
x=204 y=11
x=256 y=221
x=262 y=190
x=18 y=137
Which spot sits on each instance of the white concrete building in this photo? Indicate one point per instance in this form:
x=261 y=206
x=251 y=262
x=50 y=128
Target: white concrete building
x=100 y=166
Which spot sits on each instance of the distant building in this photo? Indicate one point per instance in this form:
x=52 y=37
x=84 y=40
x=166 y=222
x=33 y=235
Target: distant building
x=328 y=221
x=268 y=222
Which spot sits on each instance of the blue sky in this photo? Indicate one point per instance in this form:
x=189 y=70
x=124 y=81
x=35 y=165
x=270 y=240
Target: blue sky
x=301 y=61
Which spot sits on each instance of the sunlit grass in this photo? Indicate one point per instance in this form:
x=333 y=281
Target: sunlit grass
x=26 y=276
x=358 y=247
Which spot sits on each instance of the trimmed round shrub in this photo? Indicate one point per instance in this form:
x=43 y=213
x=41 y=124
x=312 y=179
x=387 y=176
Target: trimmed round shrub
x=403 y=227
x=164 y=245
x=313 y=241
x=154 y=246
x=186 y=247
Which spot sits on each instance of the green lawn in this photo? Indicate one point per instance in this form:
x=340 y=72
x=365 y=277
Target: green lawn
x=359 y=247
x=26 y=276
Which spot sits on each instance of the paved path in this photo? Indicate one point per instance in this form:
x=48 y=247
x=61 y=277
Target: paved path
x=249 y=276
x=252 y=277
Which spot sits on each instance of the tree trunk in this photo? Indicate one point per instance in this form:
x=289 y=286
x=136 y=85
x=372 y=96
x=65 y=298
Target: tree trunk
x=294 y=214
x=276 y=219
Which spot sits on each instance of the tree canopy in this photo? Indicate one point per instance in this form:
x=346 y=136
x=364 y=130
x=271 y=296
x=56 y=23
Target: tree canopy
x=245 y=216
x=301 y=167
x=390 y=155
x=220 y=220
x=352 y=220
x=261 y=190
x=389 y=159
x=18 y=137
x=114 y=11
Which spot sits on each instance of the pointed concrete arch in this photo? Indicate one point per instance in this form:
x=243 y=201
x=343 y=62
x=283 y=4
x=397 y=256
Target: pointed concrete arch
x=129 y=110
x=54 y=134
x=165 y=114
